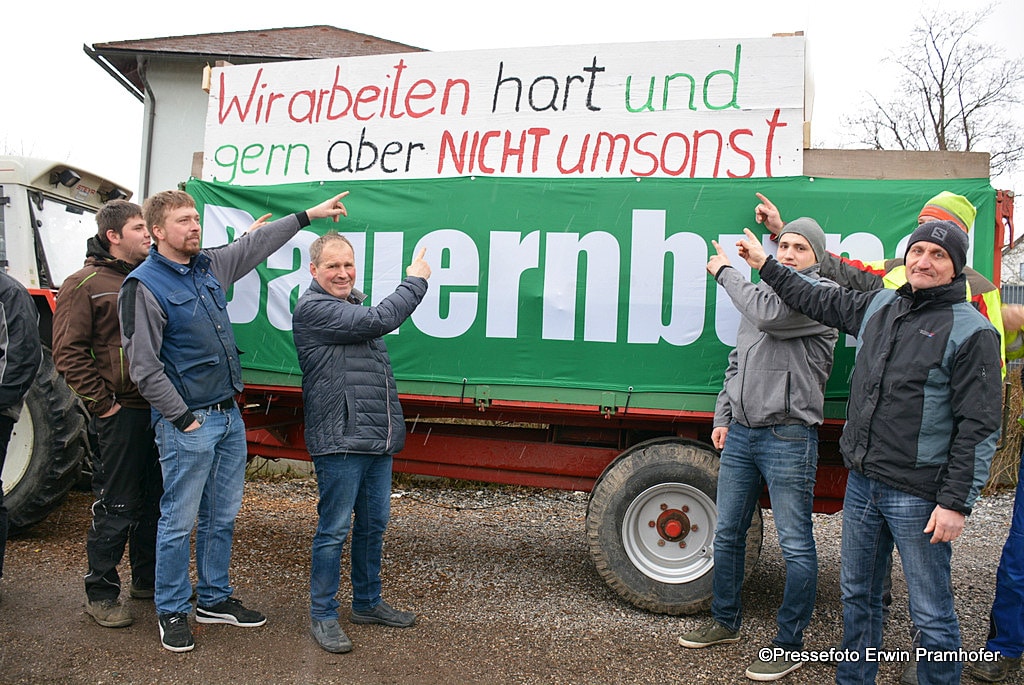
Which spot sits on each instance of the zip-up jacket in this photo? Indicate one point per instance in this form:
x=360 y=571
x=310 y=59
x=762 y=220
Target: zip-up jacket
x=925 y=394
x=20 y=350
x=87 y=334
x=348 y=388
x=892 y=273
x=782 y=359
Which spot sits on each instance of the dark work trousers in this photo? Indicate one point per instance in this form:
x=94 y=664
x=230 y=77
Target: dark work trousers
x=127 y=483
x=6 y=426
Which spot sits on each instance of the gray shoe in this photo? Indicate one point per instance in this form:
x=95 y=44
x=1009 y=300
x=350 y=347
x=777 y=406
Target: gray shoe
x=909 y=675
x=993 y=670
x=765 y=671
x=109 y=613
x=329 y=635
x=384 y=615
x=712 y=634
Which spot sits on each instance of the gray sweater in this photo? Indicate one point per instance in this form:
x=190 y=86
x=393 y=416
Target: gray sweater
x=782 y=359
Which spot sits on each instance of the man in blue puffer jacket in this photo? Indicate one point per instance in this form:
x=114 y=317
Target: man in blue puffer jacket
x=354 y=425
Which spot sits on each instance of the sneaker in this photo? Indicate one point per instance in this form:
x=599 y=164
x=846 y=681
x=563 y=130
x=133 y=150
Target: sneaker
x=712 y=634
x=109 y=613
x=384 y=615
x=764 y=671
x=136 y=592
x=330 y=636
x=175 y=633
x=232 y=612
x=994 y=671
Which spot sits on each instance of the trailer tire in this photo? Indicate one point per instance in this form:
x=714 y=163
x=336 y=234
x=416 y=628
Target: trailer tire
x=650 y=525
x=48 y=447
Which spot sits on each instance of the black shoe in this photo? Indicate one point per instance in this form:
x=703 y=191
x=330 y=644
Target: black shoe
x=175 y=633
x=384 y=615
x=995 y=670
x=232 y=612
x=140 y=591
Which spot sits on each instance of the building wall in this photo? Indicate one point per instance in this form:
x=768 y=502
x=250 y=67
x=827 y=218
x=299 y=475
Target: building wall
x=174 y=126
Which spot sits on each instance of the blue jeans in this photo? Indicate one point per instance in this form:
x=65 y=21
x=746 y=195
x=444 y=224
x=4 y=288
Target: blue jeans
x=1006 y=627
x=348 y=484
x=875 y=516
x=204 y=478
x=786 y=458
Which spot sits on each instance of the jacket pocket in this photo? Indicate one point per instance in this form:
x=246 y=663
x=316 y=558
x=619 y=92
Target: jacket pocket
x=196 y=379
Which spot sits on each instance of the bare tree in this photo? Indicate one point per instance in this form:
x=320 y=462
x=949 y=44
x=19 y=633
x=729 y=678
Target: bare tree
x=955 y=92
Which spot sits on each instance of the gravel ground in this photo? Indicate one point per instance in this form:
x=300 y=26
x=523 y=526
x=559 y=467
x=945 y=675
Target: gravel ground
x=501 y=579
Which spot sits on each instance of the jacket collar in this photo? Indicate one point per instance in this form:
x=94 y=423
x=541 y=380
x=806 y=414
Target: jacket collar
x=97 y=255
x=200 y=261
x=953 y=292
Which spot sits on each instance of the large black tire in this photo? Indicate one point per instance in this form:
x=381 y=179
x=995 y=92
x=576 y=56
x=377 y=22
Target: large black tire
x=48 y=446
x=651 y=522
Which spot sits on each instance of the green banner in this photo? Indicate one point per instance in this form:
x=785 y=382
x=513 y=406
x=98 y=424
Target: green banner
x=579 y=291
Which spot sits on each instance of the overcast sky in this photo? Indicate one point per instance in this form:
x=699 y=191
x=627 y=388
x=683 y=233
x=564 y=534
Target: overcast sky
x=59 y=104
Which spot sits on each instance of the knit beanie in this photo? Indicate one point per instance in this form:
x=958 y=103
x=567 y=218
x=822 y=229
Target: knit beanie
x=947 y=235
x=809 y=229
x=947 y=206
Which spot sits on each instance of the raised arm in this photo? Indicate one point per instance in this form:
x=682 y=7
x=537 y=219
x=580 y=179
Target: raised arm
x=839 y=308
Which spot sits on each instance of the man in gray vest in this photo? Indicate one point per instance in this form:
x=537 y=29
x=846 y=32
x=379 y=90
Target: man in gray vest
x=181 y=350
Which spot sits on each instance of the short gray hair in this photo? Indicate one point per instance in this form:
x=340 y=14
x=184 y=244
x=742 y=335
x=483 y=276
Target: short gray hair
x=317 y=248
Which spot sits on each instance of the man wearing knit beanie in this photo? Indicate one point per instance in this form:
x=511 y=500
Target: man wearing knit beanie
x=922 y=423
x=766 y=426
x=891 y=274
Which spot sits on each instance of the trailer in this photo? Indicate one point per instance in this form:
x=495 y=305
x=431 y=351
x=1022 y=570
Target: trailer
x=627 y=422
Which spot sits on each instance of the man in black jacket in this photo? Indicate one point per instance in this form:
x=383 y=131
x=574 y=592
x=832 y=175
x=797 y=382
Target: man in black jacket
x=921 y=428
x=20 y=356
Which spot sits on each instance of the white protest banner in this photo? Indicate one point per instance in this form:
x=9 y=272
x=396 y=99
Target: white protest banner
x=694 y=109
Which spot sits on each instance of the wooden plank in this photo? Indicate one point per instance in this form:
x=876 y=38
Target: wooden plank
x=895 y=164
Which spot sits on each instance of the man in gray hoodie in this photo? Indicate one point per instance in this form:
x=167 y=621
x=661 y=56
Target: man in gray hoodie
x=766 y=424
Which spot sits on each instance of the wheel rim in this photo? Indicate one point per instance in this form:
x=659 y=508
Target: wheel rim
x=668 y=533
x=19 y=451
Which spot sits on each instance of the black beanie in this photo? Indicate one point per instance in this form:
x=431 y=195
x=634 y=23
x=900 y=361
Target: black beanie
x=946 y=235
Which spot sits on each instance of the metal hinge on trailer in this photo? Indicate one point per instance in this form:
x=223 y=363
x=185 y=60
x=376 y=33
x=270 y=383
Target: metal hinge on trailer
x=481 y=397
x=609 y=403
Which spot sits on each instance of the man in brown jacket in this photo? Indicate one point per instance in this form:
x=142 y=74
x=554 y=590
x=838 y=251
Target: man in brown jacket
x=126 y=473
